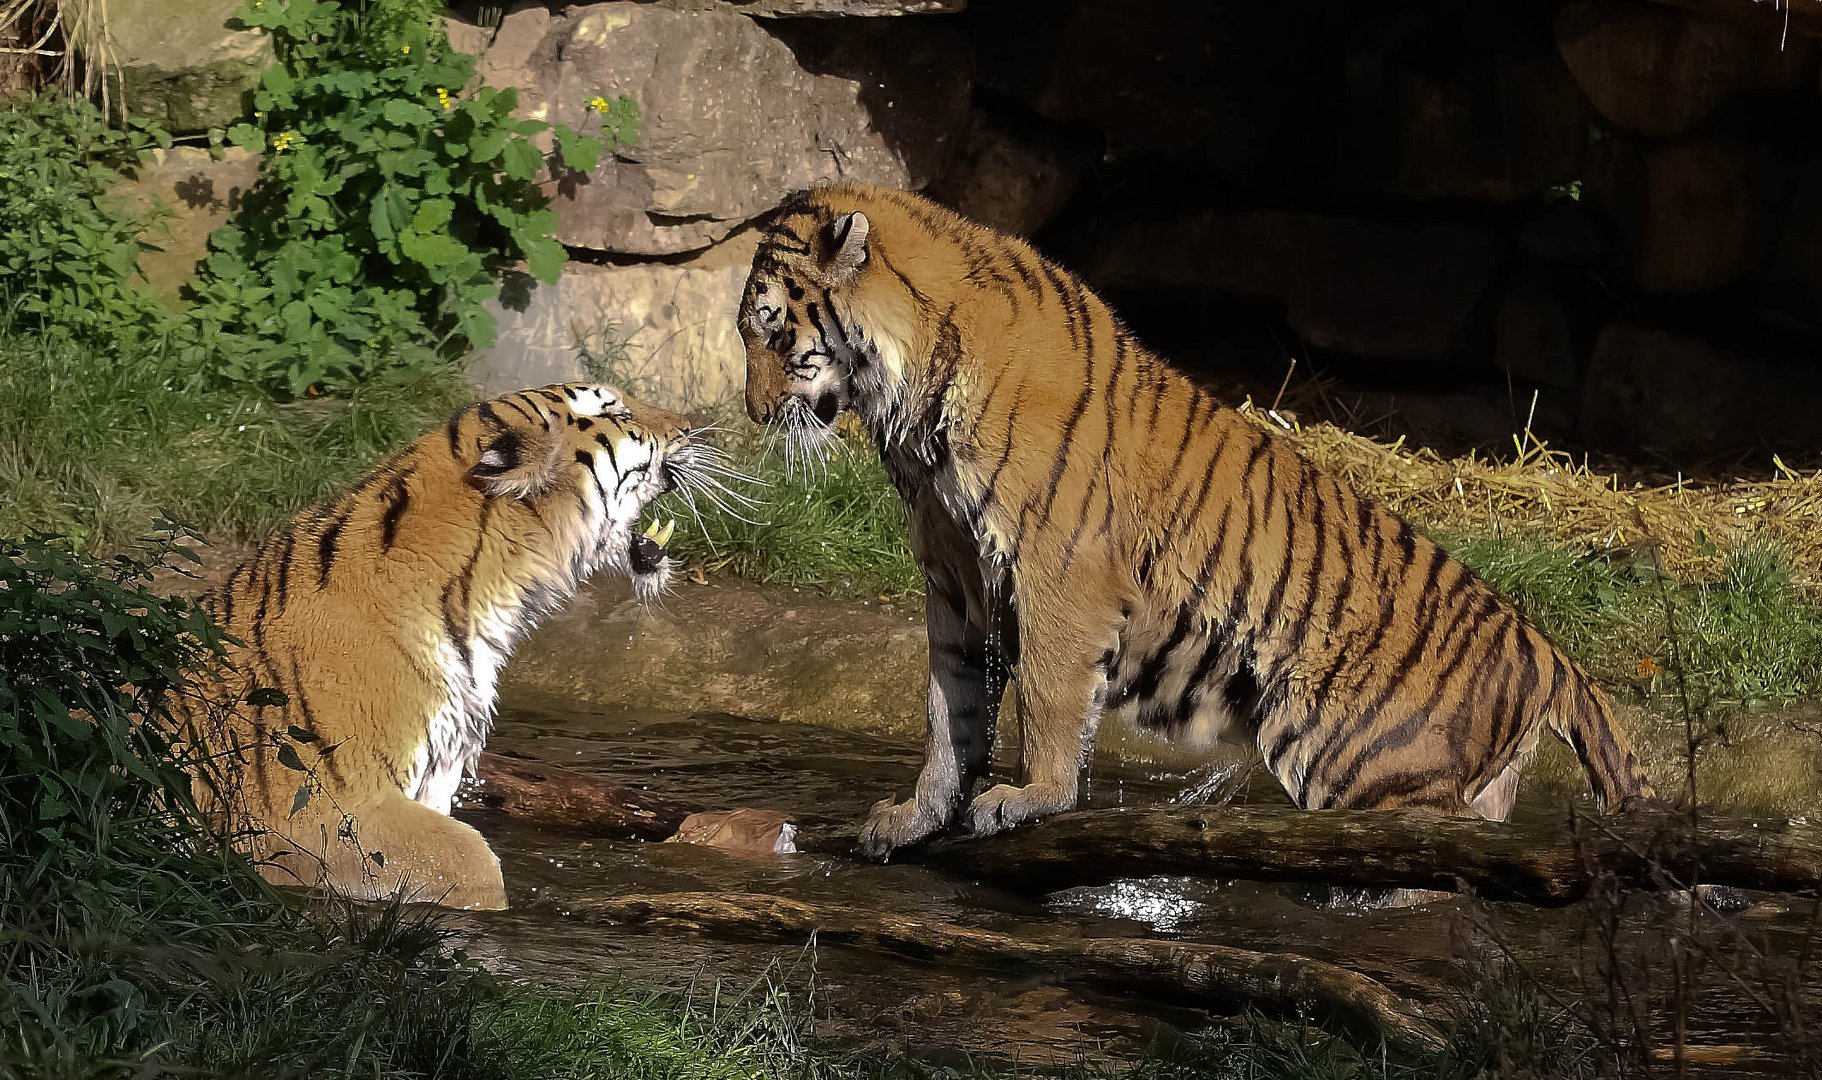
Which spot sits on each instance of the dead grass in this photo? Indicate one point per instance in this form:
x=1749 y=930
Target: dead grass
x=1546 y=493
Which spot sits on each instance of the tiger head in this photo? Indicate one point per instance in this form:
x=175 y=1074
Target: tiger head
x=829 y=325
x=586 y=455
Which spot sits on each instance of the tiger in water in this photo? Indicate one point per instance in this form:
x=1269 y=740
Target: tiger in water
x=372 y=629
x=1090 y=518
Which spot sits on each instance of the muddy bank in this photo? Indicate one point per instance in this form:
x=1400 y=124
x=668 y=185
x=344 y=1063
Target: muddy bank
x=729 y=647
x=733 y=648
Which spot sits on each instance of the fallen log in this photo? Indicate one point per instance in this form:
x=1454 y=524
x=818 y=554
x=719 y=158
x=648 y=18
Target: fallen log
x=553 y=795
x=1214 y=975
x=1543 y=862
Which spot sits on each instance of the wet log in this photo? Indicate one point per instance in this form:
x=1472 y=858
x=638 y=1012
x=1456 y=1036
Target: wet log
x=1210 y=975
x=553 y=795
x=1543 y=862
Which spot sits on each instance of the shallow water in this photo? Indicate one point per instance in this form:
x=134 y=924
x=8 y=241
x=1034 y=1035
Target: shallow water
x=828 y=778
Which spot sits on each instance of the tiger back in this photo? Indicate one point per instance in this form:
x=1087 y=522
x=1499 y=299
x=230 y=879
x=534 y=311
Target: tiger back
x=1089 y=517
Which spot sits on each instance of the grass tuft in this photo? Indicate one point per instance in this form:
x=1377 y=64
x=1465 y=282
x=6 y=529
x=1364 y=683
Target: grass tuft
x=96 y=447
x=836 y=524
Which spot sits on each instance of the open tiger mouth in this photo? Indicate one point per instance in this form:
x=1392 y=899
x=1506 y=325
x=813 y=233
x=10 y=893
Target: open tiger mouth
x=646 y=553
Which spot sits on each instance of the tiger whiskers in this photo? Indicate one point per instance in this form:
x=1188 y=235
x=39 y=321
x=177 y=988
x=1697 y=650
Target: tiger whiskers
x=807 y=439
x=700 y=469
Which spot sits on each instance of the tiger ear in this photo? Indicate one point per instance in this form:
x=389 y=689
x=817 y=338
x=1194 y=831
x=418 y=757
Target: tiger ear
x=517 y=462
x=845 y=239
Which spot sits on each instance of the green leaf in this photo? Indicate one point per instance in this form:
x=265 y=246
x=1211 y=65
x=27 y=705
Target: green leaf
x=303 y=735
x=545 y=258
x=277 y=80
x=301 y=799
x=579 y=152
x=406 y=113
x=287 y=756
x=522 y=160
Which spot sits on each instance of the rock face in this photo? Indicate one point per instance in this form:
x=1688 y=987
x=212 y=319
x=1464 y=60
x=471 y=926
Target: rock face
x=1363 y=287
x=199 y=193
x=1662 y=72
x=736 y=115
x=1793 y=298
x=732 y=649
x=1001 y=180
x=663 y=331
x=1682 y=395
x=830 y=9
x=1685 y=210
x=1242 y=89
x=1439 y=107
x=1531 y=334
x=182 y=66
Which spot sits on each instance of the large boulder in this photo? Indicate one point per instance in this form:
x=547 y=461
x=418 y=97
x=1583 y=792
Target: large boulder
x=1690 y=397
x=1658 y=71
x=1010 y=183
x=182 y=65
x=1248 y=91
x=192 y=192
x=1532 y=336
x=1369 y=288
x=1685 y=209
x=834 y=9
x=662 y=330
x=1441 y=107
x=1793 y=294
x=737 y=114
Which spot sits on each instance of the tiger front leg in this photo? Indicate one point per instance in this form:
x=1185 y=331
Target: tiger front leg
x=958 y=746
x=1062 y=688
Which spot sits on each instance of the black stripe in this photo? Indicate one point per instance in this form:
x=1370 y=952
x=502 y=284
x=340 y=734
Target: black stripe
x=1151 y=672
x=327 y=547
x=395 y=510
x=1276 y=597
x=1056 y=279
x=1063 y=443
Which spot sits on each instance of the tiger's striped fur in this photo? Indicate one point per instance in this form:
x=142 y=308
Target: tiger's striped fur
x=383 y=617
x=1085 y=512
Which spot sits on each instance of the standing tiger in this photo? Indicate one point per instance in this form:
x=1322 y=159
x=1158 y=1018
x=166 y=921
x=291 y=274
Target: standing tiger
x=1089 y=515
x=373 y=629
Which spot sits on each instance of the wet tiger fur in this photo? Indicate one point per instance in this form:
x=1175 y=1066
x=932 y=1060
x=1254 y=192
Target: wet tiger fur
x=382 y=618
x=1089 y=515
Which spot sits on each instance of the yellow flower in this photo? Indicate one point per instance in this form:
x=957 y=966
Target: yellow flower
x=285 y=140
x=406 y=49
x=599 y=104
x=443 y=98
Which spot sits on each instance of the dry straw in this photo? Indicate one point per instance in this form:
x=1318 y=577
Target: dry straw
x=1548 y=493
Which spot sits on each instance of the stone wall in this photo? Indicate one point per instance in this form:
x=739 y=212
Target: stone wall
x=1613 y=205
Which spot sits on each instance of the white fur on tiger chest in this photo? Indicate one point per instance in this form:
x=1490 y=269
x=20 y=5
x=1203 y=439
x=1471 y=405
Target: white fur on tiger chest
x=458 y=729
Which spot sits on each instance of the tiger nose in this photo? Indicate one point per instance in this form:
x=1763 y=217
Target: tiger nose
x=759 y=406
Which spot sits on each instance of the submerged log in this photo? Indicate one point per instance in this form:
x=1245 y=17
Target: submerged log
x=1543 y=862
x=1214 y=975
x=553 y=795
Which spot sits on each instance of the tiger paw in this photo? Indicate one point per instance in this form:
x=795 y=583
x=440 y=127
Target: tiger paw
x=1003 y=806
x=893 y=825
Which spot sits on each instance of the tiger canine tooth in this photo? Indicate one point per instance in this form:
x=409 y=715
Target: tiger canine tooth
x=663 y=536
x=651 y=530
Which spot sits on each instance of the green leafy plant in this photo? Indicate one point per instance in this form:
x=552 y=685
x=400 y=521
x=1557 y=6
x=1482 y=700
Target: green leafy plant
x=395 y=195
x=67 y=258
